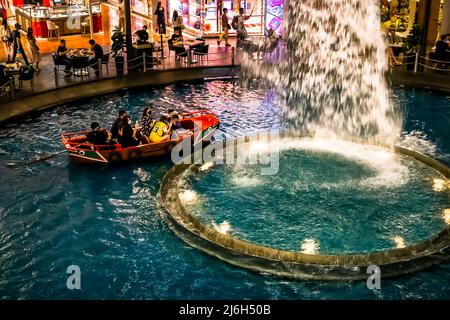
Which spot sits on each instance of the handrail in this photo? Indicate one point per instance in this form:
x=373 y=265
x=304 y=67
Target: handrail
x=433 y=68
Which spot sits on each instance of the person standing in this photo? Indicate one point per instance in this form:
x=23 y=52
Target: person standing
x=7 y=38
x=176 y=22
x=17 y=44
x=241 y=30
x=160 y=18
x=225 y=28
x=33 y=48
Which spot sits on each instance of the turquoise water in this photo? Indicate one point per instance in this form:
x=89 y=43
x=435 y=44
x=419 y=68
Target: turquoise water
x=345 y=205
x=106 y=219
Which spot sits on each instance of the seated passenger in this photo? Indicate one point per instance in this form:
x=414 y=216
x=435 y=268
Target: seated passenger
x=115 y=125
x=161 y=131
x=126 y=133
x=175 y=120
x=98 y=136
x=147 y=122
x=173 y=112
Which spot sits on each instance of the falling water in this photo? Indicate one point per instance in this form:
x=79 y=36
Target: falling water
x=332 y=76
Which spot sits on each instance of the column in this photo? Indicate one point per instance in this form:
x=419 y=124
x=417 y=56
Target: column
x=445 y=26
x=428 y=21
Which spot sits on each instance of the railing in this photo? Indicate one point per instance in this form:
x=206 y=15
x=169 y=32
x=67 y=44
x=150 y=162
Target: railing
x=146 y=62
x=444 y=65
x=8 y=88
x=422 y=62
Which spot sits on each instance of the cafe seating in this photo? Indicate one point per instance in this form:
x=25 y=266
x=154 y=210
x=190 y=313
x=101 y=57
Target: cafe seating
x=85 y=25
x=201 y=51
x=105 y=61
x=80 y=66
x=171 y=47
x=10 y=15
x=52 y=27
x=26 y=74
x=58 y=63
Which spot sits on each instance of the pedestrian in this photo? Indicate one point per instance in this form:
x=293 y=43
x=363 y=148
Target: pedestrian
x=160 y=18
x=33 y=48
x=17 y=44
x=225 y=28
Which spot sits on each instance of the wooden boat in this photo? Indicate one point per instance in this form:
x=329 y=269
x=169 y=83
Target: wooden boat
x=200 y=126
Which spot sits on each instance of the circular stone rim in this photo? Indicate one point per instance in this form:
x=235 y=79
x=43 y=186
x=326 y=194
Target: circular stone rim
x=293 y=264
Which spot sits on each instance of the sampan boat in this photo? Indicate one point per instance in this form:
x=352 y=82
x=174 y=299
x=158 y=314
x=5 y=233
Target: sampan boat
x=200 y=126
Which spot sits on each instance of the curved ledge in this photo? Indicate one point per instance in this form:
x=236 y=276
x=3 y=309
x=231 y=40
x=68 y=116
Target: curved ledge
x=295 y=264
x=47 y=99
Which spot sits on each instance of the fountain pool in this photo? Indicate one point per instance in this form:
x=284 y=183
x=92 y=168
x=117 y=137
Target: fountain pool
x=107 y=220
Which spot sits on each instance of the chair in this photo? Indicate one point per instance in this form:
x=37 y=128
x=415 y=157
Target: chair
x=57 y=62
x=52 y=27
x=201 y=51
x=171 y=47
x=105 y=61
x=9 y=14
x=26 y=74
x=85 y=25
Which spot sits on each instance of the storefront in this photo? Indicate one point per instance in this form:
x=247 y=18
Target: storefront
x=274 y=15
x=42 y=15
x=202 y=17
x=141 y=14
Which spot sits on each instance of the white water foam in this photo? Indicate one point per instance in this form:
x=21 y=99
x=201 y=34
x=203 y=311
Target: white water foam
x=390 y=171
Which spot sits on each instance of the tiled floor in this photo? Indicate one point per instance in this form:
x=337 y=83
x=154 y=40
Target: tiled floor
x=47 y=79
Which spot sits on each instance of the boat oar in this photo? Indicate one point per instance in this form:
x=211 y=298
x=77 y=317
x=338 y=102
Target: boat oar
x=33 y=161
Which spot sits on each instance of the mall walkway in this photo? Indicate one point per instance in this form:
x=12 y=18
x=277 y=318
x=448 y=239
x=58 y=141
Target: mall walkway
x=48 y=79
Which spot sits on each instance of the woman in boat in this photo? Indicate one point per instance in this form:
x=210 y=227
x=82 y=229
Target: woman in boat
x=161 y=131
x=147 y=123
x=127 y=134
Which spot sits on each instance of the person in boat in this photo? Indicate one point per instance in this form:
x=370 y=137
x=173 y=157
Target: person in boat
x=161 y=131
x=175 y=119
x=129 y=136
x=98 y=136
x=147 y=122
x=115 y=125
x=172 y=112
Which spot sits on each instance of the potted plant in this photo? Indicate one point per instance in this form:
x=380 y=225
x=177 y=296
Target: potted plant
x=117 y=47
x=411 y=46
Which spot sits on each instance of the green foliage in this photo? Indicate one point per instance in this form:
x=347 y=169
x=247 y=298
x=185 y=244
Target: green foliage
x=413 y=39
x=118 y=42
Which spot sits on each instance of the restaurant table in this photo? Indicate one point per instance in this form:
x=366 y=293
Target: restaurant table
x=82 y=55
x=191 y=43
x=146 y=48
x=12 y=68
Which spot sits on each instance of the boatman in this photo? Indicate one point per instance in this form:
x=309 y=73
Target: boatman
x=98 y=136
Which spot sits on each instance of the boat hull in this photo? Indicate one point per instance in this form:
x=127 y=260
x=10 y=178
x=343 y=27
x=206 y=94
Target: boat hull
x=206 y=123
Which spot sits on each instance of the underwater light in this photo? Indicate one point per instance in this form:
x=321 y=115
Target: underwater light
x=223 y=228
x=439 y=185
x=188 y=196
x=447 y=216
x=309 y=246
x=399 y=242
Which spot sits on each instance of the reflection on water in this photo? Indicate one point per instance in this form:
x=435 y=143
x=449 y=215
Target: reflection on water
x=106 y=219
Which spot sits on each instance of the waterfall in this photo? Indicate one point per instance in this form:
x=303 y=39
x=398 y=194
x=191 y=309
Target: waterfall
x=331 y=79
